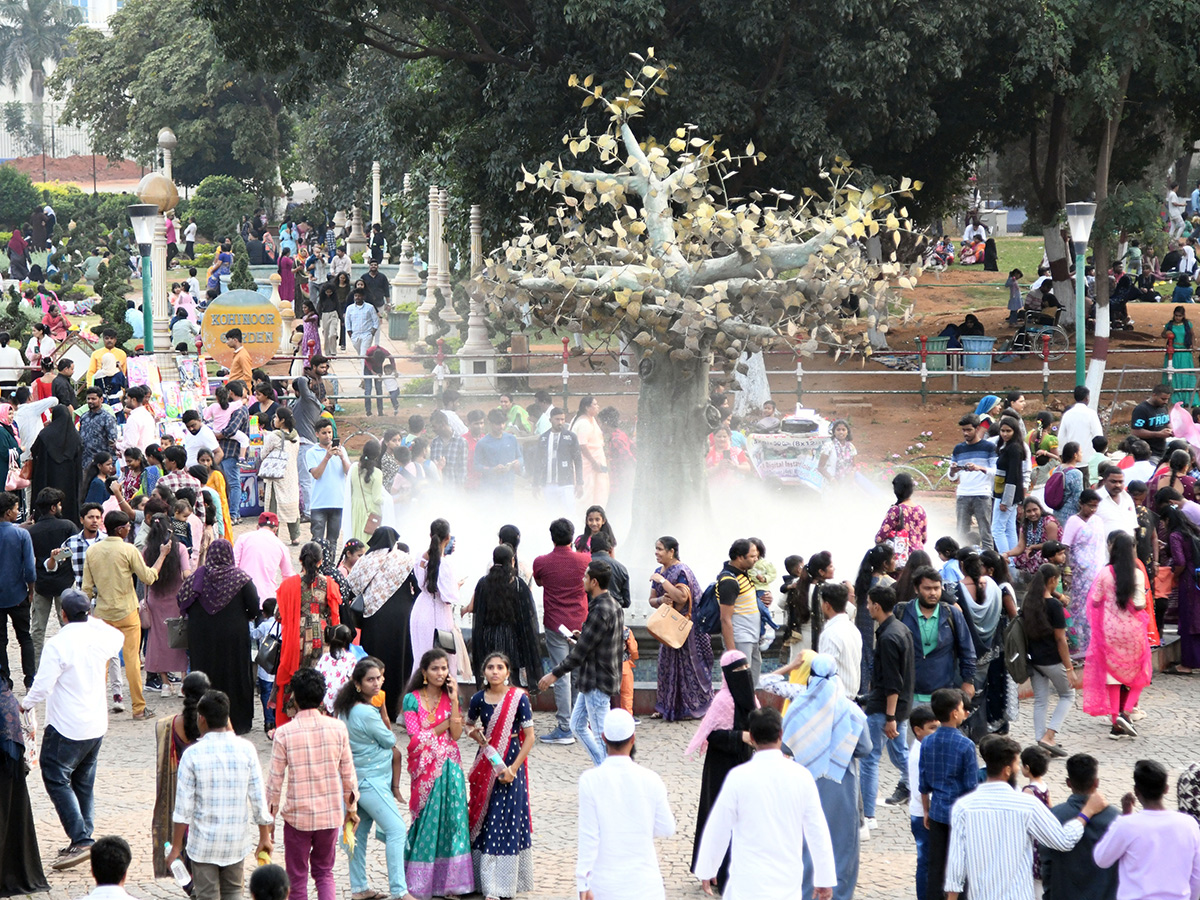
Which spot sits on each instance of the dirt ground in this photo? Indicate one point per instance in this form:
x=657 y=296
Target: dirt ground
x=78 y=170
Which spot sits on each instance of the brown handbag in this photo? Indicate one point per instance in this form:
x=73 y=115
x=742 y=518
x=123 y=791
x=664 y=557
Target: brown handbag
x=669 y=626
x=373 y=522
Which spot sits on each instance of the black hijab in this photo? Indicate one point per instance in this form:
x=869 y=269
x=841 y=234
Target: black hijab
x=60 y=441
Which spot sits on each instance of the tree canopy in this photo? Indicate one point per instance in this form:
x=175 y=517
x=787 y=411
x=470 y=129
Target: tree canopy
x=33 y=33
x=160 y=66
x=471 y=88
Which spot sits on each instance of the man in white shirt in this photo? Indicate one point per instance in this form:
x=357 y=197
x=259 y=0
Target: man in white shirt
x=1116 y=510
x=199 y=437
x=770 y=809
x=189 y=240
x=28 y=417
x=1175 y=208
x=622 y=808
x=71 y=679
x=339 y=264
x=840 y=637
x=1080 y=424
x=993 y=828
x=140 y=428
x=974 y=229
x=110 y=858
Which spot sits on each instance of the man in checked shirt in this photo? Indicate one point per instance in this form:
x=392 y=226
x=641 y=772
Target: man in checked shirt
x=314 y=750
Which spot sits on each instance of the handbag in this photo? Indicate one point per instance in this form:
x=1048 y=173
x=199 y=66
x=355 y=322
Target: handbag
x=444 y=640
x=669 y=626
x=177 y=633
x=274 y=465
x=268 y=653
x=373 y=522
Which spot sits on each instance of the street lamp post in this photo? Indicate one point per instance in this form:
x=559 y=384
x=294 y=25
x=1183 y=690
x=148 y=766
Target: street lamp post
x=1079 y=218
x=143 y=216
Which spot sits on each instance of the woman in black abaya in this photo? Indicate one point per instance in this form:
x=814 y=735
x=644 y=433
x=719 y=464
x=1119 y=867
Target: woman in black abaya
x=58 y=461
x=721 y=732
x=220 y=601
x=20 y=863
x=383 y=576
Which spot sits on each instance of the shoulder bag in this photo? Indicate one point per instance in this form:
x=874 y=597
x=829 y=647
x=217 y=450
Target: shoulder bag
x=669 y=625
x=177 y=633
x=268 y=653
x=274 y=464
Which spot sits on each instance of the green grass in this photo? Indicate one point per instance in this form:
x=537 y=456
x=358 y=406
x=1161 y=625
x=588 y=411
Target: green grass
x=1019 y=252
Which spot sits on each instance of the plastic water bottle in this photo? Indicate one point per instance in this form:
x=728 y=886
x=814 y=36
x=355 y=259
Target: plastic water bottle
x=494 y=758
x=178 y=870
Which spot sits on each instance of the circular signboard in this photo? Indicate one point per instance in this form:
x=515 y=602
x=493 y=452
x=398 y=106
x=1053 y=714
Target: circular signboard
x=250 y=311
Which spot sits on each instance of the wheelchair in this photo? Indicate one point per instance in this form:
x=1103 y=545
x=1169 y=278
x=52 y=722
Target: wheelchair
x=1031 y=326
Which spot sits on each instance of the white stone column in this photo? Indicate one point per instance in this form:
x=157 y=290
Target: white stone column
x=406 y=286
x=376 y=203
x=448 y=313
x=164 y=355
x=477 y=355
x=431 y=275
x=356 y=241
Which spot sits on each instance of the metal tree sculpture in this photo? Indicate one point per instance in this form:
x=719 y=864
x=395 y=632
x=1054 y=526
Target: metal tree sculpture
x=649 y=246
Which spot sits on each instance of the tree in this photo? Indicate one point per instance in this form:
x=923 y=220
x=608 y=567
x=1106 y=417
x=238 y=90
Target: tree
x=33 y=33
x=218 y=206
x=112 y=285
x=469 y=88
x=160 y=65
x=649 y=245
x=18 y=197
x=240 y=278
x=1083 y=67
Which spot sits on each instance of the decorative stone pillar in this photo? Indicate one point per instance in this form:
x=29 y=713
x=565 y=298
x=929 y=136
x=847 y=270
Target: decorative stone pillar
x=477 y=357
x=356 y=242
x=431 y=274
x=164 y=354
x=376 y=203
x=167 y=142
x=406 y=286
x=448 y=314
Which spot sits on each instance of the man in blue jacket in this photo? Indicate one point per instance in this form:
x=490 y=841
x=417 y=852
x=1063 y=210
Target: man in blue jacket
x=942 y=647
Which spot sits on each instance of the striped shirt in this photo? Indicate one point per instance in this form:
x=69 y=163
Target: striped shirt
x=841 y=639
x=992 y=830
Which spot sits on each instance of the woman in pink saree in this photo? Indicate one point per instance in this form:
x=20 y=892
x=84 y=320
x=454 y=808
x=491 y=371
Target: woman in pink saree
x=437 y=856
x=1118 y=658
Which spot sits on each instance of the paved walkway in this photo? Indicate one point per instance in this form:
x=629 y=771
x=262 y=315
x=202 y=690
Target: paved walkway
x=125 y=795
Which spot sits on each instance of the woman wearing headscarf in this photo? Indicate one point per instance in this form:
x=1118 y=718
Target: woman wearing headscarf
x=721 y=736
x=309 y=606
x=981 y=602
x=220 y=602
x=383 y=576
x=10 y=447
x=18 y=256
x=111 y=380
x=162 y=600
x=827 y=733
x=58 y=461
x=987 y=408
x=20 y=863
x=505 y=622
x=684 y=675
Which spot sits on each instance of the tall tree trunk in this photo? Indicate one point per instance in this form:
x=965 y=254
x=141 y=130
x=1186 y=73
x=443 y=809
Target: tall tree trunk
x=1048 y=186
x=670 y=486
x=1108 y=139
x=37 y=94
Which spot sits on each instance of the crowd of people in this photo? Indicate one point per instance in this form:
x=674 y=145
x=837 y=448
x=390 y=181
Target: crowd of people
x=1067 y=564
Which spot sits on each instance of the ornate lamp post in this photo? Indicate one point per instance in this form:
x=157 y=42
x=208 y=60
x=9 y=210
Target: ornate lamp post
x=1079 y=218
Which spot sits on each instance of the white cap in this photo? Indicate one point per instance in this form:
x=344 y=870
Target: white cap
x=618 y=726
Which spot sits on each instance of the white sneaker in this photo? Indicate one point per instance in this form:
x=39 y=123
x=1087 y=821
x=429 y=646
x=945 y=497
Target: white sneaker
x=1135 y=714
x=870 y=823
x=864 y=833
x=118 y=704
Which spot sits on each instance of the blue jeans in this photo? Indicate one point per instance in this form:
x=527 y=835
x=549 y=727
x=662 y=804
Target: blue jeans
x=303 y=474
x=69 y=774
x=233 y=485
x=1004 y=527
x=558 y=648
x=921 y=836
x=264 y=693
x=590 y=709
x=376 y=804
x=897 y=750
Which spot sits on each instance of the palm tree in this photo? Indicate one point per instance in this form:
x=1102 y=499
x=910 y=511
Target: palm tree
x=32 y=33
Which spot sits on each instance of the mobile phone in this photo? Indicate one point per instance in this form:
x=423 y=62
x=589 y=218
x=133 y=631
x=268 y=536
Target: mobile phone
x=336 y=442
x=450 y=546
x=566 y=632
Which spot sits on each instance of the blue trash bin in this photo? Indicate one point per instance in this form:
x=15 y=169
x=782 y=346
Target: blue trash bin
x=977 y=356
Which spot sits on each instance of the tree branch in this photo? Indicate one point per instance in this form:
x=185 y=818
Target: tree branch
x=776 y=256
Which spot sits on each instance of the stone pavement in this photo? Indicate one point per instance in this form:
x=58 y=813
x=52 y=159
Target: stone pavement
x=125 y=795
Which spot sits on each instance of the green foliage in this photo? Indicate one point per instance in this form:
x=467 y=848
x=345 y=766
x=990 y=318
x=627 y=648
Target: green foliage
x=468 y=93
x=33 y=33
x=18 y=197
x=1136 y=214
x=15 y=319
x=159 y=64
x=240 y=278
x=112 y=286
x=218 y=205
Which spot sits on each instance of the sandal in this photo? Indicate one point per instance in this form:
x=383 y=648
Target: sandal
x=369 y=895
x=271 y=737
x=656 y=715
x=1176 y=670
